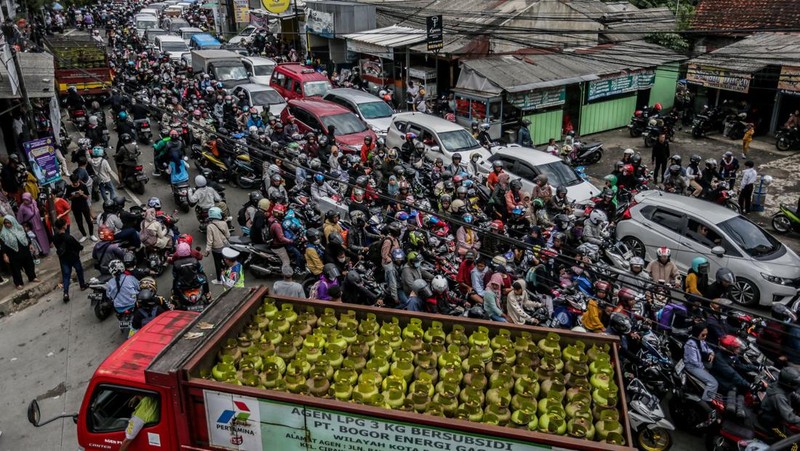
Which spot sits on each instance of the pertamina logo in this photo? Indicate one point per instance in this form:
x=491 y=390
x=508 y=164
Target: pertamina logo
x=236 y=422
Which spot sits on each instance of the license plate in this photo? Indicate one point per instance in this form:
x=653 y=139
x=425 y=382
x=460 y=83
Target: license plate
x=679 y=366
x=141 y=177
x=124 y=324
x=196 y=308
x=145 y=130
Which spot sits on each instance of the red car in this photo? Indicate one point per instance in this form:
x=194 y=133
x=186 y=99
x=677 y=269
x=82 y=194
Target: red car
x=317 y=115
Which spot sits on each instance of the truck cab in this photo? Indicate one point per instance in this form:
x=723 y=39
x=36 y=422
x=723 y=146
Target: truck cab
x=119 y=382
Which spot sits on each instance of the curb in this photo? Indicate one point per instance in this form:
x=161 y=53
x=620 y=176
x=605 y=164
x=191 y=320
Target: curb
x=31 y=293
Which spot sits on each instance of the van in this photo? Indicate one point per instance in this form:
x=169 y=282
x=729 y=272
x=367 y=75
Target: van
x=441 y=138
x=187 y=33
x=174 y=46
x=143 y=22
x=204 y=41
x=150 y=11
x=295 y=81
x=173 y=11
x=159 y=6
x=174 y=24
x=259 y=69
x=151 y=33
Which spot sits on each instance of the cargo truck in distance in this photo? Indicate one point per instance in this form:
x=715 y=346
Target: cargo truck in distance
x=80 y=61
x=260 y=372
x=221 y=65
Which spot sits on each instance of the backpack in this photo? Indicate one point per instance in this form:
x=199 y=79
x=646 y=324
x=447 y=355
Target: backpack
x=313 y=292
x=148 y=237
x=374 y=251
x=241 y=217
x=148 y=316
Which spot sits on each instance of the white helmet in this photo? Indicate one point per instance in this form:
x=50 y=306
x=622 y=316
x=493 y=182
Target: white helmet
x=200 y=181
x=116 y=267
x=486 y=126
x=598 y=216
x=628 y=151
x=439 y=284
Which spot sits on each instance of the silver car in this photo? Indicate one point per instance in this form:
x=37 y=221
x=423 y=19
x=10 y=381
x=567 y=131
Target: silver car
x=372 y=110
x=766 y=270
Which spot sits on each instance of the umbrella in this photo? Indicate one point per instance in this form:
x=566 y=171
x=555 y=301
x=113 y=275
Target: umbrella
x=57 y=7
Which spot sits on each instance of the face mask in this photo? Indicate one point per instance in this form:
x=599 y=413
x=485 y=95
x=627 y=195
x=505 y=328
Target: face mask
x=341 y=260
x=417 y=264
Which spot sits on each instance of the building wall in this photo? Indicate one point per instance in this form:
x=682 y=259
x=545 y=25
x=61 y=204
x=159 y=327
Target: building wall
x=608 y=115
x=663 y=90
x=545 y=125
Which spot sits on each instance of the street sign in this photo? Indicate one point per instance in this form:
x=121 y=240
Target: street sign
x=275 y=6
x=435 y=33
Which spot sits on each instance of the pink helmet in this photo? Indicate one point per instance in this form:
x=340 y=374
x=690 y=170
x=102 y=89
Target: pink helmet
x=183 y=250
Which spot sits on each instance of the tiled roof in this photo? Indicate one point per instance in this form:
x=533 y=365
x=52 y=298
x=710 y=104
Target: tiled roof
x=756 y=15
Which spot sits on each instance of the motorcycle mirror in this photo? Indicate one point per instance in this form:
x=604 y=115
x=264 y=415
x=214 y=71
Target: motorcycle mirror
x=718 y=251
x=435 y=149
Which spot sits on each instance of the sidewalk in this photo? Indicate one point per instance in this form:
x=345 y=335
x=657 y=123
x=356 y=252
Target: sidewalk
x=49 y=272
x=761 y=143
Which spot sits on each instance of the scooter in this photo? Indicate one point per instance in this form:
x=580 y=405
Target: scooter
x=180 y=193
x=649 y=426
x=143 y=131
x=582 y=154
x=258 y=258
x=79 y=118
x=786 y=220
x=190 y=298
x=101 y=305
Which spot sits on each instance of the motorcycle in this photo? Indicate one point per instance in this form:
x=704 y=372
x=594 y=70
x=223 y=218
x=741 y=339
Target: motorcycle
x=581 y=154
x=180 y=193
x=101 y=305
x=735 y=126
x=79 y=118
x=639 y=122
x=657 y=126
x=787 y=139
x=649 y=426
x=707 y=120
x=258 y=258
x=786 y=220
x=143 y=131
x=156 y=260
x=190 y=299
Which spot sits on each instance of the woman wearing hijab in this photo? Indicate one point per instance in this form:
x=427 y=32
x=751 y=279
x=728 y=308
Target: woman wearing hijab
x=492 y=299
x=16 y=247
x=153 y=232
x=28 y=214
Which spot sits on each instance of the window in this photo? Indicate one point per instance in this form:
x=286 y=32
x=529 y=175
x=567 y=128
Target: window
x=247 y=67
x=401 y=126
x=263 y=70
x=278 y=79
x=702 y=234
x=375 y=110
x=559 y=174
x=345 y=123
x=298 y=89
x=316 y=88
x=668 y=219
x=458 y=140
x=111 y=408
x=523 y=171
x=301 y=115
x=266 y=97
x=287 y=84
x=751 y=238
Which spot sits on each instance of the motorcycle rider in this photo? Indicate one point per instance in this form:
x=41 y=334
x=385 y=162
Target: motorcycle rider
x=260 y=227
x=637 y=278
x=122 y=288
x=598 y=308
x=321 y=189
x=203 y=195
x=695 y=355
x=281 y=245
x=728 y=167
x=455 y=167
x=662 y=268
x=674 y=182
x=721 y=288
x=109 y=217
x=359 y=238
x=354 y=291
x=492 y=178
x=94 y=133
x=694 y=175
x=327 y=280
x=276 y=192
x=777 y=407
x=127 y=157
x=594 y=230
x=696 y=282
x=74 y=101
x=559 y=203
x=124 y=126
x=483 y=136
x=106 y=251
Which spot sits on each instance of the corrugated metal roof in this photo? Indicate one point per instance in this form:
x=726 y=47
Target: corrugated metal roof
x=519 y=73
x=38 y=71
x=394 y=36
x=755 y=53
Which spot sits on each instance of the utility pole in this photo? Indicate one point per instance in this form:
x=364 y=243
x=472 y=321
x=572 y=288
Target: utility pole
x=26 y=101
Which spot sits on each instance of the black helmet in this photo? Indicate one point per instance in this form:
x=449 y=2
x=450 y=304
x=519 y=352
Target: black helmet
x=422 y=289
x=449 y=185
x=676 y=159
x=725 y=275
x=313 y=235
x=146 y=298
x=120 y=201
x=330 y=215
x=398 y=170
x=255 y=196
x=695 y=159
x=620 y=323
x=636 y=159
x=358 y=217
x=608 y=192
x=335 y=238
x=331 y=271
x=789 y=377
x=561 y=189
x=516 y=184
x=394 y=229
x=675 y=169
x=354 y=277
x=129 y=259
x=109 y=206
x=562 y=221
x=362 y=181
x=126 y=138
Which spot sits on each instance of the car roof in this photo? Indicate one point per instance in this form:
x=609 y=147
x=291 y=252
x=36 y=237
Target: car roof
x=319 y=107
x=706 y=210
x=526 y=154
x=427 y=120
x=253 y=87
x=355 y=95
x=184 y=29
x=260 y=61
x=145 y=16
x=298 y=68
x=205 y=38
x=169 y=37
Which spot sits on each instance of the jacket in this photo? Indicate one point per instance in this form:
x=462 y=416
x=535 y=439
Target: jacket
x=122 y=291
x=409 y=274
x=776 y=407
x=467 y=239
x=217 y=235
x=315 y=257
x=592 y=319
x=695 y=353
x=205 y=197
x=279 y=240
x=101 y=168
x=728 y=371
x=516 y=305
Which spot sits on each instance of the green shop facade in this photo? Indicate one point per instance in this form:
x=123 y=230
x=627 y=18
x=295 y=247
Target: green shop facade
x=583 y=102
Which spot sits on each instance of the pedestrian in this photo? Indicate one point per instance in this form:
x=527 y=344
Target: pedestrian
x=63 y=209
x=747 y=139
x=660 y=157
x=748 y=182
x=28 y=215
x=287 y=286
x=79 y=194
x=217 y=236
x=68 y=250
x=233 y=276
x=16 y=247
x=103 y=172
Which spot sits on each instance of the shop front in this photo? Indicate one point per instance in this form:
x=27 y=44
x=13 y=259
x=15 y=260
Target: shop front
x=611 y=100
x=544 y=108
x=481 y=107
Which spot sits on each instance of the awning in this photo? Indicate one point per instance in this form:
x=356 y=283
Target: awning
x=381 y=42
x=38 y=71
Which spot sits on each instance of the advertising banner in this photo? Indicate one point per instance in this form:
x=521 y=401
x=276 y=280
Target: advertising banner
x=235 y=423
x=789 y=80
x=534 y=100
x=713 y=77
x=42 y=159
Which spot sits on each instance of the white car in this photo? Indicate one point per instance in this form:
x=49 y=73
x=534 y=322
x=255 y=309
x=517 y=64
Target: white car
x=766 y=270
x=260 y=96
x=244 y=37
x=441 y=138
x=371 y=109
x=526 y=164
x=259 y=69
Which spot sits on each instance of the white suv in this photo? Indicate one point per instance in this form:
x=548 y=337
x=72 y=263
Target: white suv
x=441 y=138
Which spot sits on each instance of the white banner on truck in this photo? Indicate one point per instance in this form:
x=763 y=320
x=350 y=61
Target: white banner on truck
x=234 y=422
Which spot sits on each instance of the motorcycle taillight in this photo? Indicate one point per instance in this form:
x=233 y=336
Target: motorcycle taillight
x=138 y=168
x=145 y=124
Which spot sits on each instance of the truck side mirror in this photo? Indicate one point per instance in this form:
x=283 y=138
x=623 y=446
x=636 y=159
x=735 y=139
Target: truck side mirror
x=719 y=251
x=35 y=416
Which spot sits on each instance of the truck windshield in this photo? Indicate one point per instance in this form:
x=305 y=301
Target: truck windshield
x=345 y=123
x=316 y=88
x=174 y=47
x=231 y=73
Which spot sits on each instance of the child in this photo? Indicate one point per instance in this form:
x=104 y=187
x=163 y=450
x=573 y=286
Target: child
x=37 y=250
x=747 y=139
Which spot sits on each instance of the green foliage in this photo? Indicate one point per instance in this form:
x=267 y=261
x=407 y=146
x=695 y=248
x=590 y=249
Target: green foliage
x=673 y=41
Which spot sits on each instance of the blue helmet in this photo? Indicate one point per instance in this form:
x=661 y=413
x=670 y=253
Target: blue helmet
x=97 y=151
x=700 y=265
x=123 y=115
x=215 y=213
x=468 y=218
x=319 y=178
x=398 y=255
x=401 y=216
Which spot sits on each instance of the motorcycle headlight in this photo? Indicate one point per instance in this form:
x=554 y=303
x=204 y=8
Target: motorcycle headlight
x=775 y=279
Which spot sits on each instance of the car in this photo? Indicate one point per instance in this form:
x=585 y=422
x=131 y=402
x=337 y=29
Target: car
x=187 y=33
x=260 y=96
x=295 y=81
x=259 y=68
x=372 y=110
x=245 y=36
x=441 y=138
x=171 y=45
x=318 y=115
x=766 y=270
x=143 y=22
x=526 y=164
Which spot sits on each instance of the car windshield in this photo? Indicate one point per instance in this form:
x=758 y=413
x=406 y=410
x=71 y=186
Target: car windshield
x=174 y=47
x=345 y=123
x=231 y=73
x=145 y=24
x=375 y=110
x=264 y=69
x=750 y=237
x=247 y=32
x=316 y=88
x=457 y=140
x=266 y=97
x=559 y=174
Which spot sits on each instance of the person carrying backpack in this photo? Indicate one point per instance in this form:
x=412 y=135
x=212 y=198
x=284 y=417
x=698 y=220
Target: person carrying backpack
x=148 y=306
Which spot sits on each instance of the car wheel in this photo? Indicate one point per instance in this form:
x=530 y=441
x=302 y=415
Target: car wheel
x=635 y=245
x=745 y=292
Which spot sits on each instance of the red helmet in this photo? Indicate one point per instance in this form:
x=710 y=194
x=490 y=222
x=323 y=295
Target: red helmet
x=731 y=343
x=185 y=238
x=628 y=168
x=657 y=107
x=497 y=225
x=174 y=133
x=663 y=251
x=626 y=295
x=602 y=285
x=279 y=208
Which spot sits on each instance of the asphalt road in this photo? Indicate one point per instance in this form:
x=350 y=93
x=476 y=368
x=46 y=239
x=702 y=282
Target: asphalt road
x=50 y=350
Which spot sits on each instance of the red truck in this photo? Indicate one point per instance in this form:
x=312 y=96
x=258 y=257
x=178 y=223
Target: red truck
x=80 y=61
x=171 y=358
